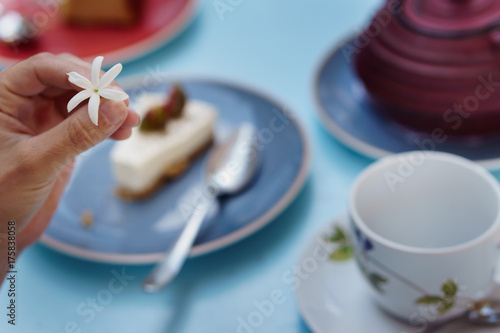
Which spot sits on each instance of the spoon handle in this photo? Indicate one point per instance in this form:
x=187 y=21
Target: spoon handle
x=167 y=269
x=451 y=325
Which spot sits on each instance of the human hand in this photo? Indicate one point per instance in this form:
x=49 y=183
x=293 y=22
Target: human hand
x=39 y=139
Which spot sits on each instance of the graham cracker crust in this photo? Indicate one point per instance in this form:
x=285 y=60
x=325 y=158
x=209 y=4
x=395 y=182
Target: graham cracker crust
x=171 y=173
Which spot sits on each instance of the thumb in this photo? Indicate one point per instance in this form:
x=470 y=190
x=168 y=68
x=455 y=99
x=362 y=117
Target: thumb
x=77 y=133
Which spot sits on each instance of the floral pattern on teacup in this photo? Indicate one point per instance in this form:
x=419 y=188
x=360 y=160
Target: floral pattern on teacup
x=344 y=251
x=444 y=302
x=367 y=244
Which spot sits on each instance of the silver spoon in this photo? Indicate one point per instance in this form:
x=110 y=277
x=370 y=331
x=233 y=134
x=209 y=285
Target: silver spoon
x=15 y=28
x=484 y=312
x=231 y=167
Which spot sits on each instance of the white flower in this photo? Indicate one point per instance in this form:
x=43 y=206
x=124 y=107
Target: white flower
x=95 y=88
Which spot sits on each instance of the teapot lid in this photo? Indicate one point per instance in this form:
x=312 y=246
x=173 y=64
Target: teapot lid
x=450 y=18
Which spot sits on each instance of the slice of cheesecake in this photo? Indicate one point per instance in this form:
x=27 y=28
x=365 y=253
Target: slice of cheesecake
x=151 y=156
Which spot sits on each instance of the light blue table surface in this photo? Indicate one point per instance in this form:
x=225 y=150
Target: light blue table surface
x=275 y=46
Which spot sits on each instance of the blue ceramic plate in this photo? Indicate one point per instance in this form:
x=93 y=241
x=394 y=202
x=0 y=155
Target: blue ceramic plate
x=140 y=232
x=346 y=111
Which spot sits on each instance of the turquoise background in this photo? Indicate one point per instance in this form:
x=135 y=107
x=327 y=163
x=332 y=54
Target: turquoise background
x=274 y=46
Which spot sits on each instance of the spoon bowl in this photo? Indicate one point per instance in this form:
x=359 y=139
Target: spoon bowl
x=485 y=312
x=232 y=166
x=14 y=28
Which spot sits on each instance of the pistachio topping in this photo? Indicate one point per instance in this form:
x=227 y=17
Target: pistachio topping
x=156 y=118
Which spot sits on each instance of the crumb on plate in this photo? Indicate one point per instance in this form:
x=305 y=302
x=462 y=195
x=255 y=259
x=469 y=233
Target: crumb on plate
x=87 y=219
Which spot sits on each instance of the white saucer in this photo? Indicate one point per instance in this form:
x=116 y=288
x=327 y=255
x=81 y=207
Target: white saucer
x=332 y=296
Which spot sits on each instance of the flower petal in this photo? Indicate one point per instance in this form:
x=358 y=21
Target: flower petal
x=110 y=75
x=113 y=94
x=94 y=108
x=78 y=98
x=80 y=81
x=96 y=71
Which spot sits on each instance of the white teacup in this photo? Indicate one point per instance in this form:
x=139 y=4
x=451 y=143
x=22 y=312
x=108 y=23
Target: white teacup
x=425 y=229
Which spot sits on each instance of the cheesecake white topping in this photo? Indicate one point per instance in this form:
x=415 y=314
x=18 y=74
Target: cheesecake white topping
x=140 y=161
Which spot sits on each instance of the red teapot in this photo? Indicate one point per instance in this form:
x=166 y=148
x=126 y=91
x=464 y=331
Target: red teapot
x=435 y=65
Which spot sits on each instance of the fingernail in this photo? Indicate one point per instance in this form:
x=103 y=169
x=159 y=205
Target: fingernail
x=138 y=118
x=115 y=112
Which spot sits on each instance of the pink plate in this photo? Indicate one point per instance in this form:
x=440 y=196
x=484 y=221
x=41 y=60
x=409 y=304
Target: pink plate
x=161 y=21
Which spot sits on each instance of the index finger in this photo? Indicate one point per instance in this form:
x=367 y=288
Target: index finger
x=33 y=76
x=44 y=74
